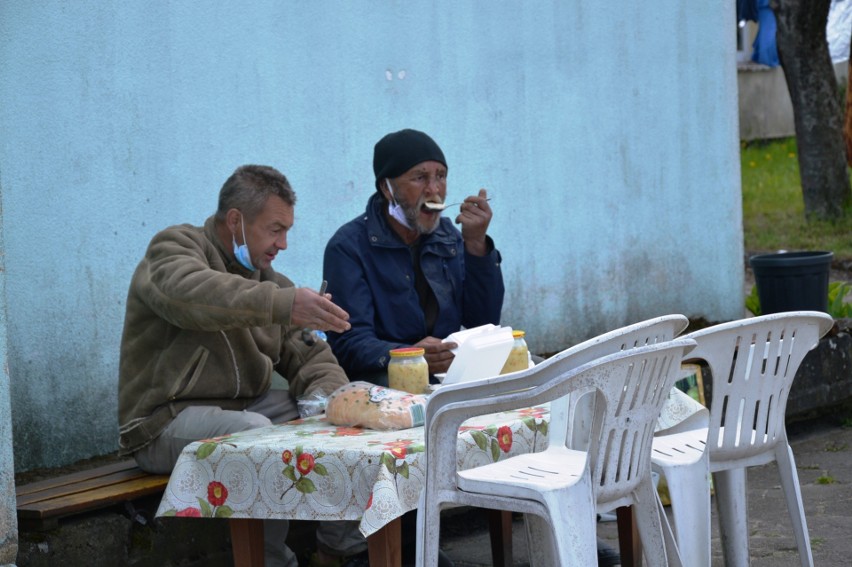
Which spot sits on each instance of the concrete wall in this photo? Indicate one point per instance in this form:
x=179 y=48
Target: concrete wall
x=8 y=518
x=607 y=136
x=765 y=108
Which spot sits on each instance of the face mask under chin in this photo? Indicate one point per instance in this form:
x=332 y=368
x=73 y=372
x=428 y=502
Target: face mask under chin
x=241 y=252
x=401 y=214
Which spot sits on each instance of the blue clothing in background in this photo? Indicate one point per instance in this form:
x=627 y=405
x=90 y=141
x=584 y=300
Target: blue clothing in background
x=764 y=49
x=747 y=10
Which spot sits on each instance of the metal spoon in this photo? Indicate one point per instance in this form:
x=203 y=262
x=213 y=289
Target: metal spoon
x=442 y=206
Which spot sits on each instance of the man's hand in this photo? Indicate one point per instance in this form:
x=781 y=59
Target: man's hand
x=474 y=218
x=437 y=354
x=316 y=311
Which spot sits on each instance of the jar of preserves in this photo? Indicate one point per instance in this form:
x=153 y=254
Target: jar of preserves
x=519 y=355
x=408 y=370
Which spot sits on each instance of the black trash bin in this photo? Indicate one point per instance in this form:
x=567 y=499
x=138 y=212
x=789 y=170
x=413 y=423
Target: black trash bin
x=792 y=281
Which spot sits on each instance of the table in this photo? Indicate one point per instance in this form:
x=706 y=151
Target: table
x=309 y=469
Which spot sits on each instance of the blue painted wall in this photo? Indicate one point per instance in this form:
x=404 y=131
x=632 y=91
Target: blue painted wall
x=606 y=135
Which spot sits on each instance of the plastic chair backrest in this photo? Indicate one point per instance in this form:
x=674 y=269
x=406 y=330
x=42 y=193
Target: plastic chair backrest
x=645 y=332
x=753 y=363
x=630 y=388
x=648 y=332
x=627 y=430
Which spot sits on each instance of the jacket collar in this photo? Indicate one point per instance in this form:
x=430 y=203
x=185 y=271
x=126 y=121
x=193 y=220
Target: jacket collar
x=231 y=265
x=380 y=233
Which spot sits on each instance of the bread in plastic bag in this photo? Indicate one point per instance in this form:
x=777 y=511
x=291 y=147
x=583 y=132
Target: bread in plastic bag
x=362 y=404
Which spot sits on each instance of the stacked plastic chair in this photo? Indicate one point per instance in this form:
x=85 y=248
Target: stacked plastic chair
x=563 y=488
x=753 y=363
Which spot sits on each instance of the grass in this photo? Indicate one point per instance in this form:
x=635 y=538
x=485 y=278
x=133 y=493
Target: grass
x=773 y=208
x=825 y=479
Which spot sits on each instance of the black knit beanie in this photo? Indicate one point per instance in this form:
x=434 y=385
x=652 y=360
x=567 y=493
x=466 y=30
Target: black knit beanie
x=398 y=152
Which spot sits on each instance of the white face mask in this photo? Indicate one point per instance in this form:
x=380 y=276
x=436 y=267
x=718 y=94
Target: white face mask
x=395 y=210
x=241 y=253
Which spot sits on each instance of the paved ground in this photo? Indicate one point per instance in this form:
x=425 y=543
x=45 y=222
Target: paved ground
x=823 y=451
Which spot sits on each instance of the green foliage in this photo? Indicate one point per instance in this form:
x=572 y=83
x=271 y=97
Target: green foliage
x=826 y=479
x=773 y=207
x=752 y=302
x=838 y=308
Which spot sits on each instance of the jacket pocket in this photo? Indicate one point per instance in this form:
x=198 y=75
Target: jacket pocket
x=190 y=374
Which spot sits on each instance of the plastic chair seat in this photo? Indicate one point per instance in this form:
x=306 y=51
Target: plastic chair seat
x=526 y=476
x=681 y=449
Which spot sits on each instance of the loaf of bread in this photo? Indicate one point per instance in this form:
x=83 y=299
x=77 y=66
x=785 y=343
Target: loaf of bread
x=362 y=404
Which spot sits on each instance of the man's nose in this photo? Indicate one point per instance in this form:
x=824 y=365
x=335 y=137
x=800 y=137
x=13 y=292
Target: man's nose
x=281 y=241
x=434 y=185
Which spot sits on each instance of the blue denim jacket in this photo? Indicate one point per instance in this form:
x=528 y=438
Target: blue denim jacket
x=370 y=274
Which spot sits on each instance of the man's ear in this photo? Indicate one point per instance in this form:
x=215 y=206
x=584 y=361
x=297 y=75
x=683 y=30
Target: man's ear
x=232 y=220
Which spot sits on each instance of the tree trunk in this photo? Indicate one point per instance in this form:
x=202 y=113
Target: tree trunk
x=803 y=50
x=847 y=125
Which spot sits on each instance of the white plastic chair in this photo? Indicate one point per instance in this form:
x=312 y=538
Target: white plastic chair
x=753 y=363
x=578 y=410
x=564 y=487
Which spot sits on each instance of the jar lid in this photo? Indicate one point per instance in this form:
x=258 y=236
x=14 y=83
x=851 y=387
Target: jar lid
x=407 y=351
x=518 y=334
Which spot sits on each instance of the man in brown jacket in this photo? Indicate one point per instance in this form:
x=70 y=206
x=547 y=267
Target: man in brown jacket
x=209 y=323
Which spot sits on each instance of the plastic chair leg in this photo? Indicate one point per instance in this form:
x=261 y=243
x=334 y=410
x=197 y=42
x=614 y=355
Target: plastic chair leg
x=689 y=492
x=733 y=515
x=568 y=535
x=672 y=554
x=795 y=505
x=428 y=533
x=646 y=510
x=542 y=548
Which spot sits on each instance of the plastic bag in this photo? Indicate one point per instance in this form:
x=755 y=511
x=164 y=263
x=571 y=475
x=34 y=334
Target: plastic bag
x=311 y=404
x=362 y=404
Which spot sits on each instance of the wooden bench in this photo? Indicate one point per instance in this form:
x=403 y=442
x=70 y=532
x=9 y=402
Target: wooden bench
x=42 y=504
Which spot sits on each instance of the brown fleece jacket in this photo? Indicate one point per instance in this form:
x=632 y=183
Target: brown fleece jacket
x=201 y=330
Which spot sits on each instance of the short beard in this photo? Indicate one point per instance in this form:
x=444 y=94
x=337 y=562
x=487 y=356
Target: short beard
x=412 y=214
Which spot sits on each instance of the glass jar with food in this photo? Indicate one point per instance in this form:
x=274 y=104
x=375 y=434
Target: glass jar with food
x=518 y=358
x=408 y=370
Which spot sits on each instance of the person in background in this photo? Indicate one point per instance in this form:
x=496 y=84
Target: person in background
x=403 y=272
x=208 y=324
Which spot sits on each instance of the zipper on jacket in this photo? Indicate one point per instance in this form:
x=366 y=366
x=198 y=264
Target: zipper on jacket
x=234 y=361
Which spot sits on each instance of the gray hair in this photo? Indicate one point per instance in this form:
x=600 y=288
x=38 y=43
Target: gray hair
x=248 y=188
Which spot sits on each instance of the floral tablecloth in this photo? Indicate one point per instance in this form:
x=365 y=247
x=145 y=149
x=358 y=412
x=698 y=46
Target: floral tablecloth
x=309 y=469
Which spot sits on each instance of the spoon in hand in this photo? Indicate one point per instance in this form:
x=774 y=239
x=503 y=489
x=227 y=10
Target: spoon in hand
x=442 y=206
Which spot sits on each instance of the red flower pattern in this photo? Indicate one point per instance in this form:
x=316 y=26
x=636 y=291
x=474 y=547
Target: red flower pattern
x=348 y=431
x=504 y=438
x=189 y=513
x=537 y=412
x=216 y=493
x=287 y=456
x=305 y=463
